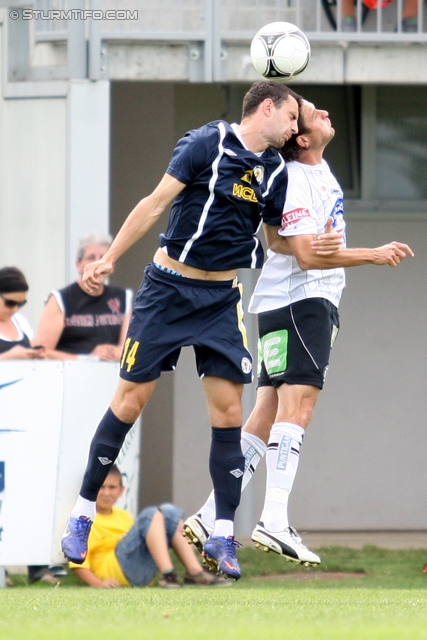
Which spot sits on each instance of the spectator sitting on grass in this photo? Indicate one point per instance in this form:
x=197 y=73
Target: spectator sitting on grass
x=122 y=554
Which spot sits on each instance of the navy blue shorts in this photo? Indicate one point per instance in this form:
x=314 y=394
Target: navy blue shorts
x=295 y=343
x=172 y=312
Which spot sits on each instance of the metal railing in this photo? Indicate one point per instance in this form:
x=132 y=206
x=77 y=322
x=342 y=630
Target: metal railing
x=210 y=27
x=230 y=20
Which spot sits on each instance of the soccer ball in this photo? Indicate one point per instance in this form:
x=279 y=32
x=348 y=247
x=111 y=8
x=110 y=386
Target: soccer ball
x=280 y=51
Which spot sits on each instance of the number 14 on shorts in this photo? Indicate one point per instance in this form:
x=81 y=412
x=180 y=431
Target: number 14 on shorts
x=129 y=354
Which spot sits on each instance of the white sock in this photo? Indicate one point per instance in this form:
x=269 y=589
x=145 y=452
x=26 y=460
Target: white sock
x=84 y=507
x=207 y=512
x=253 y=448
x=223 y=528
x=282 y=463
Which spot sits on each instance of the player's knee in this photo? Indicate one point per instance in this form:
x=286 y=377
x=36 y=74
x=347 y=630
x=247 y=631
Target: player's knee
x=171 y=511
x=127 y=405
x=229 y=417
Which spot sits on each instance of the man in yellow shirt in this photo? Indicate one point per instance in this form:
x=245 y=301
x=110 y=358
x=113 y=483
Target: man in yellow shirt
x=121 y=553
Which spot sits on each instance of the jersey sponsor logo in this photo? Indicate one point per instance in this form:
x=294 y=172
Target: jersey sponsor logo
x=292 y=217
x=248 y=176
x=246 y=193
x=274 y=348
x=246 y=365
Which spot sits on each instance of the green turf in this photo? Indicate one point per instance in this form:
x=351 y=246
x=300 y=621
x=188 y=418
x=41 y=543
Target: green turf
x=388 y=603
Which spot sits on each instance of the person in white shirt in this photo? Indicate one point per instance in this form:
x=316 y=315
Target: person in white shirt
x=296 y=299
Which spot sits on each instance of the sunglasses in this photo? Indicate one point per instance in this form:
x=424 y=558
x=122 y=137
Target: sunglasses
x=10 y=304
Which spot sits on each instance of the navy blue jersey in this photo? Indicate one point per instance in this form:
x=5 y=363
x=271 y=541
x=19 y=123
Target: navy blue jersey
x=229 y=191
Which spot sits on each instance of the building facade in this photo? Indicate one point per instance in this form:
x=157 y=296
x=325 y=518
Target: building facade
x=93 y=101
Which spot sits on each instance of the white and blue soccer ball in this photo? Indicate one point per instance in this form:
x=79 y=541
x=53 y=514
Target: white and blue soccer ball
x=280 y=51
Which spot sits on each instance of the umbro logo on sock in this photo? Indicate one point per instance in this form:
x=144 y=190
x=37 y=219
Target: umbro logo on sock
x=236 y=473
x=105 y=461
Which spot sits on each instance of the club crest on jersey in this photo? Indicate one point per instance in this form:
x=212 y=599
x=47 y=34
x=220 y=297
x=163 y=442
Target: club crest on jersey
x=259 y=174
x=338 y=210
x=292 y=217
x=246 y=365
x=114 y=305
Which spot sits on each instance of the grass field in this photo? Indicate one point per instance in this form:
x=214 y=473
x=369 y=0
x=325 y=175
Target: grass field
x=387 y=600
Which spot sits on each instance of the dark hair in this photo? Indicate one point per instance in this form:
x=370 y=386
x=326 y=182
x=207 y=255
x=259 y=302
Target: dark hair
x=11 y=280
x=291 y=150
x=262 y=90
x=115 y=471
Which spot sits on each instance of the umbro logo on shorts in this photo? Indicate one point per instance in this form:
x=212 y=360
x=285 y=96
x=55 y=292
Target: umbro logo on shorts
x=105 y=461
x=237 y=473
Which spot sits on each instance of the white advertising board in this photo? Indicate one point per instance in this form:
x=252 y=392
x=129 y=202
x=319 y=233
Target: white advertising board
x=48 y=414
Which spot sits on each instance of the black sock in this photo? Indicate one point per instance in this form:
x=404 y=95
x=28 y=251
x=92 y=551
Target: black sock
x=226 y=466
x=104 y=449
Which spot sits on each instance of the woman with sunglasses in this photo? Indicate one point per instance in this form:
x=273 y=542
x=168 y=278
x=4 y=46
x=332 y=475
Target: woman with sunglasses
x=14 y=329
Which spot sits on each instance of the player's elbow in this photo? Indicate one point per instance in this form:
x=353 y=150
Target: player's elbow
x=277 y=245
x=304 y=261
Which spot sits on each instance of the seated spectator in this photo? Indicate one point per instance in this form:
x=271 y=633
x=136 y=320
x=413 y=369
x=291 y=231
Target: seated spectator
x=121 y=553
x=409 y=14
x=15 y=331
x=75 y=323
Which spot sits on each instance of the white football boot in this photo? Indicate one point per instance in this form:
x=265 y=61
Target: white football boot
x=286 y=543
x=197 y=532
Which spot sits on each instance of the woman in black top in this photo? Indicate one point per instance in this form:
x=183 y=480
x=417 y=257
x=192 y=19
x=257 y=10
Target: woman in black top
x=14 y=341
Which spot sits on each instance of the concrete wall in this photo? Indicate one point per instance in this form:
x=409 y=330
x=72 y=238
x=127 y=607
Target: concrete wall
x=362 y=462
x=359 y=466
x=32 y=192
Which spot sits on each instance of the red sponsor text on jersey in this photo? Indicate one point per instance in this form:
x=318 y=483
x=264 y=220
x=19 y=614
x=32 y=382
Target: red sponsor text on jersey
x=292 y=217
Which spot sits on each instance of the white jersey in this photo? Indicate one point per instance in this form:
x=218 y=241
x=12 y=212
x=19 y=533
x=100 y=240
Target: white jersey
x=313 y=195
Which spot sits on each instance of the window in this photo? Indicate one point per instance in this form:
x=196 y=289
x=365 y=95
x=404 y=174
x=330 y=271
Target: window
x=401 y=138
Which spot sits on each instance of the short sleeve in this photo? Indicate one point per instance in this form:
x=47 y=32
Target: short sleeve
x=129 y=300
x=193 y=153
x=298 y=217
